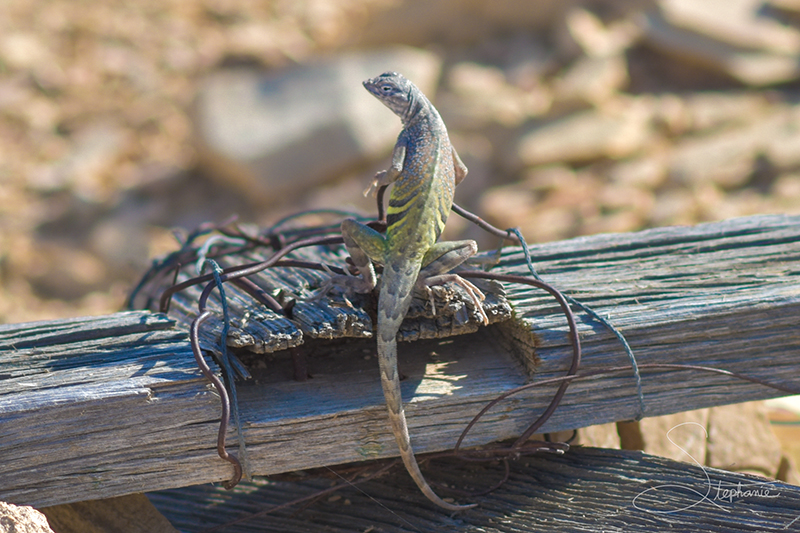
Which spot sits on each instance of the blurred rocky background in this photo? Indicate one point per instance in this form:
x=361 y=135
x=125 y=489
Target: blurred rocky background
x=121 y=120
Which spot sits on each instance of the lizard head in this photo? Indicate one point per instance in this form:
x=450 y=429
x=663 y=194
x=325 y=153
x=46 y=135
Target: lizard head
x=394 y=90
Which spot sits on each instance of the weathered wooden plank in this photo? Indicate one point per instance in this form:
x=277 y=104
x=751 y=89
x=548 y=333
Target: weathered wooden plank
x=587 y=489
x=86 y=416
x=107 y=406
x=261 y=330
x=722 y=295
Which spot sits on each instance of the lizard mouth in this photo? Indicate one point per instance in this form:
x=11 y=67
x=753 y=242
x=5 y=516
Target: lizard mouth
x=371 y=85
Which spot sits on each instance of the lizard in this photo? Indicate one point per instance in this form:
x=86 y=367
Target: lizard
x=424 y=171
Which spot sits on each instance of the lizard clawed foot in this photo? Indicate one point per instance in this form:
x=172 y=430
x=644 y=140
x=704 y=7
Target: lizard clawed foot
x=474 y=293
x=326 y=287
x=431 y=299
x=347 y=282
x=376 y=184
x=384 y=177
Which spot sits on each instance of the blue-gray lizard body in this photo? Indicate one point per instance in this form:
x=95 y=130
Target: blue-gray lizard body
x=424 y=172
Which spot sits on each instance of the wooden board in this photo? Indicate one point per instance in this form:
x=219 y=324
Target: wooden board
x=585 y=490
x=106 y=406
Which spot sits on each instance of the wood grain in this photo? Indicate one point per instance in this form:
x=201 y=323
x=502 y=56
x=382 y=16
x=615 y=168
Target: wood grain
x=105 y=406
x=585 y=490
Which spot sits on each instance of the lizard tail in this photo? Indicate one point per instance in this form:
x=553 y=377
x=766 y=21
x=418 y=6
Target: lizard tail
x=387 y=357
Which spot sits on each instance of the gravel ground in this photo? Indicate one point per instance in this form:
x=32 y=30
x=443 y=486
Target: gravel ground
x=583 y=117
x=578 y=128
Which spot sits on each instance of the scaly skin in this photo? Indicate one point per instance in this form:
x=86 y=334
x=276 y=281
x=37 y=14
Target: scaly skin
x=424 y=172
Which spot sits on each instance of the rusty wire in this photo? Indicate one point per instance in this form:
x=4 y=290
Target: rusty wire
x=500 y=451
x=238 y=275
x=283 y=243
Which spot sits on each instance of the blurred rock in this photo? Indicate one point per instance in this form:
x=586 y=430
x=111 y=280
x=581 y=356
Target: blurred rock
x=784 y=416
x=745 y=202
x=674 y=207
x=526 y=60
x=61 y=271
x=787 y=471
x=786 y=7
x=577 y=193
x=613 y=132
x=454 y=21
x=783 y=145
x=618 y=196
x=592 y=80
x=121 y=243
x=745 y=25
x=85 y=171
x=479 y=95
x=595 y=38
x=276 y=134
x=740 y=439
x=23 y=50
x=344 y=194
x=472 y=78
x=681 y=436
x=550 y=178
x=705 y=111
x=726 y=158
x=620 y=221
x=129 y=514
x=649 y=172
x=600 y=436
x=550 y=203
x=710 y=110
x=550 y=224
x=744 y=43
x=506 y=206
x=786 y=189
x=22 y=519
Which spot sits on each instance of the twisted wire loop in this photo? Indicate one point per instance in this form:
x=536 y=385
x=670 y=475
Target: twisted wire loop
x=235 y=241
x=228 y=397
x=595 y=315
x=515 y=235
x=228 y=375
x=283 y=240
x=194 y=339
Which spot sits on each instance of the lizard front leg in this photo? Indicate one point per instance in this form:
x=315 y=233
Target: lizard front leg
x=364 y=245
x=389 y=176
x=438 y=263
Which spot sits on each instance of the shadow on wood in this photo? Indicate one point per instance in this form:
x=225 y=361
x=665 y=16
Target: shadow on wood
x=587 y=489
x=105 y=406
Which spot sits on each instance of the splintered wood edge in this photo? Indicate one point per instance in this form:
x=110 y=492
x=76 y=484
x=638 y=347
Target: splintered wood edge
x=726 y=295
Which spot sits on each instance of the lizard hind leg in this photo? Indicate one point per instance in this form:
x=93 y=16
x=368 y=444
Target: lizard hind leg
x=440 y=260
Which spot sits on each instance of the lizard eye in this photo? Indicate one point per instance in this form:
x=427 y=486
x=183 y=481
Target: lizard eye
x=386 y=88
